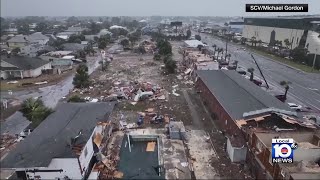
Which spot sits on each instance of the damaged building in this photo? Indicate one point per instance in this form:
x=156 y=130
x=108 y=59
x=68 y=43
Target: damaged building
x=228 y=96
x=64 y=145
x=251 y=117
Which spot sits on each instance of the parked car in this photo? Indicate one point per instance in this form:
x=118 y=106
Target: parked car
x=242 y=71
x=257 y=82
x=295 y=106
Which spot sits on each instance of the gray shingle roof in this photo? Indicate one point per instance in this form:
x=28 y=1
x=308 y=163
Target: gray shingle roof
x=75 y=29
x=24 y=63
x=73 y=46
x=51 y=139
x=18 y=39
x=14 y=124
x=237 y=94
x=37 y=36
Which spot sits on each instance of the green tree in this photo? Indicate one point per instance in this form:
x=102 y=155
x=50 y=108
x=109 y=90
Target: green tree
x=171 y=65
x=124 y=43
x=197 y=37
x=188 y=33
x=35 y=111
x=251 y=70
x=165 y=47
x=95 y=28
x=76 y=38
x=41 y=27
x=24 y=29
x=299 y=54
x=4 y=24
x=134 y=37
x=157 y=57
x=81 y=79
x=285 y=84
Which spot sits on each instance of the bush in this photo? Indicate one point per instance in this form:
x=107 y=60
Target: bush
x=75 y=98
x=81 y=79
x=170 y=65
x=157 y=57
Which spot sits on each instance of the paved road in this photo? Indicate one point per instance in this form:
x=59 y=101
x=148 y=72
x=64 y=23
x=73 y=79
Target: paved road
x=52 y=94
x=305 y=87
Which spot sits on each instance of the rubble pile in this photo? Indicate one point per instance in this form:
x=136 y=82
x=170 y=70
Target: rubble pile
x=6 y=140
x=124 y=90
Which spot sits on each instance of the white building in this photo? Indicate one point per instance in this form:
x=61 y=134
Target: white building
x=22 y=67
x=64 y=145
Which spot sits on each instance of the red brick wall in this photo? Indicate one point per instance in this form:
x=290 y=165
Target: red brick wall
x=215 y=107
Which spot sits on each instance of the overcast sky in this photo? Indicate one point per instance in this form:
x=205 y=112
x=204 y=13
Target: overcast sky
x=141 y=7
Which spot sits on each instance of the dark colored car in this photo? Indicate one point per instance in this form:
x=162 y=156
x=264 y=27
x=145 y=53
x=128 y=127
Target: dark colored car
x=257 y=82
x=242 y=72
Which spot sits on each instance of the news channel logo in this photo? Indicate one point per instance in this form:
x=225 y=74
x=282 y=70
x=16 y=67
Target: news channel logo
x=282 y=150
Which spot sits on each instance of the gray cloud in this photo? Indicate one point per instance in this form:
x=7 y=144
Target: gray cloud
x=141 y=7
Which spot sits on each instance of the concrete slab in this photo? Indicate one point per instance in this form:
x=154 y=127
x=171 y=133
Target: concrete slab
x=201 y=156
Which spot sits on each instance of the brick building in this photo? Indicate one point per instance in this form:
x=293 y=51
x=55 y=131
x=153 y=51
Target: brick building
x=230 y=98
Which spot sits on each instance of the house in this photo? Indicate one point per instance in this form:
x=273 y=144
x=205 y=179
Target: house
x=31 y=50
x=75 y=47
x=75 y=30
x=11 y=31
x=194 y=59
x=305 y=158
x=229 y=98
x=23 y=40
x=15 y=124
x=18 y=41
x=64 y=35
x=64 y=145
x=38 y=38
x=60 y=60
x=22 y=67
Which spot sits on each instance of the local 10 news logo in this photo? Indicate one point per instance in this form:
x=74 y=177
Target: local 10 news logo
x=282 y=150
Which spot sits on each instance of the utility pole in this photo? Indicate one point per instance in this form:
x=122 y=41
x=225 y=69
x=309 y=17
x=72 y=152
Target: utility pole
x=314 y=59
x=226 y=50
x=260 y=71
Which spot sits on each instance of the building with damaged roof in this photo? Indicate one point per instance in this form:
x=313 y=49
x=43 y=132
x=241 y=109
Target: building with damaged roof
x=306 y=157
x=232 y=99
x=64 y=144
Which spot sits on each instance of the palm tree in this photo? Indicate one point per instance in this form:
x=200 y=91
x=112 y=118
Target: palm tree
x=251 y=70
x=243 y=40
x=253 y=40
x=35 y=111
x=285 y=84
x=287 y=43
x=228 y=56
